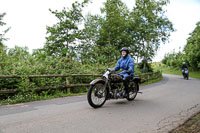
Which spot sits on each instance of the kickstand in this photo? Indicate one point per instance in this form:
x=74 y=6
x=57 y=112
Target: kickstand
x=139 y=92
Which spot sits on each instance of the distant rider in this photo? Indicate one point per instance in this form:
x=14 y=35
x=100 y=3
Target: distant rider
x=126 y=63
x=183 y=68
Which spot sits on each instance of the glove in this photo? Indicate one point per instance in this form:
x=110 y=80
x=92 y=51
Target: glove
x=128 y=71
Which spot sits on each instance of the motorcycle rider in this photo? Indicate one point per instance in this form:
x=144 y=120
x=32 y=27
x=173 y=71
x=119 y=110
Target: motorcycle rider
x=126 y=63
x=183 y=68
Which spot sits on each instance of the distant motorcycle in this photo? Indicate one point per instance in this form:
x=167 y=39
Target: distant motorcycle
x=185 y=72
x=110 y=86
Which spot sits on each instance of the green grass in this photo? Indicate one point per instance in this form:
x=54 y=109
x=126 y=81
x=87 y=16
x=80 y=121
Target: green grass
x=29 y=97
x=192 y=125
x=175 y=71
x=152 y=81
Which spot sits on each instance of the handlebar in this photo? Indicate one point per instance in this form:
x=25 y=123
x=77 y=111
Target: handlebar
x=114 y=72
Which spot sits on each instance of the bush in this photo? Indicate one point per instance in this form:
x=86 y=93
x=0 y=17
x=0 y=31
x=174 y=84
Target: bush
x=147 y=68
x=18 y=61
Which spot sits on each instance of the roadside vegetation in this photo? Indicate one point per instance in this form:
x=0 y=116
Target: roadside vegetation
x=171 y=70
x=192 y=125
x=152 y=81
x=190 y=54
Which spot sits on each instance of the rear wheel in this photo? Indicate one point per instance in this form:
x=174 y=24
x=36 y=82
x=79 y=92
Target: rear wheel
x=97 y=95
x=133 y=90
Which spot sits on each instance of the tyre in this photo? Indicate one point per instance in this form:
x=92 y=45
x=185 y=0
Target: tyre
x=133 y=90
x=97 y=95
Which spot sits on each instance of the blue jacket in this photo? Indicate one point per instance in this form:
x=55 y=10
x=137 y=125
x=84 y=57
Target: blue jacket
x=126 y=63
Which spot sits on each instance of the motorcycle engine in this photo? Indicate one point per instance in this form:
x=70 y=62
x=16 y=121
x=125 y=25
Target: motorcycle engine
x=116 y=90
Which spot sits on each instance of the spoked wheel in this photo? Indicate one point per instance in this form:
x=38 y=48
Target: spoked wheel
x=97 y=95
x=133 y=90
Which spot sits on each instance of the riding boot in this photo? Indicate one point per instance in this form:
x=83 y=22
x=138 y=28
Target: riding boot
x=126 y=88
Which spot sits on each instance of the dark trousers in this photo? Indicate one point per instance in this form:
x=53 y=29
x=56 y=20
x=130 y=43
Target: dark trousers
x=126 y=83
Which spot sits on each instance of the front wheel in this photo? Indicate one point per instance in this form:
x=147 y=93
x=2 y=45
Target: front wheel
x=133 y=90
x=97 y=95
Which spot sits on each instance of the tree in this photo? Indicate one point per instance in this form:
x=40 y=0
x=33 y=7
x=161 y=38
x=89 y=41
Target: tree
x=92 y=25
x=61 y=37
x=174 y=59
x=2 y=31
x=142 y=30
x=3 y=48
x=113 y=33
x=18 y=53
x=150 y=26
x=107 y=32
x=192 y=48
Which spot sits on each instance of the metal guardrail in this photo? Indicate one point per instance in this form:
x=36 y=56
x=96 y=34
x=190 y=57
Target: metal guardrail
x=144 y=76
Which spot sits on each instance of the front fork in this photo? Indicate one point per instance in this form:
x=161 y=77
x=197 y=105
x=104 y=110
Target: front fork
x=107 y=87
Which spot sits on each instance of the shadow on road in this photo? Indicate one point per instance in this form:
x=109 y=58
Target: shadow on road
x=123 y=103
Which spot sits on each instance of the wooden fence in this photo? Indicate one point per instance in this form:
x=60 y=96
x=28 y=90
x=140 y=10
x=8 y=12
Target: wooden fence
x=144 y=76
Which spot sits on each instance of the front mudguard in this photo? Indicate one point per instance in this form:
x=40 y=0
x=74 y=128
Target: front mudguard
x=97 y=81
x=103 y=82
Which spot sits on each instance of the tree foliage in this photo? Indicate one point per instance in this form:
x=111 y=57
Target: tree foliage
x=150 y=27
x=190 y=54
x=142 y=30
x=174 y=59
x=2 y=29
x=62 y=36
x=192 y=48
x=105 y=34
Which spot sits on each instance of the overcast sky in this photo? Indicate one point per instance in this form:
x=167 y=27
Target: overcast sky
x=28 y=20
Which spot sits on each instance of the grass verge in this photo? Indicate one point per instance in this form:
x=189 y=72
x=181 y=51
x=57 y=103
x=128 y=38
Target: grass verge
x=29 y=97
x=192 y=125
x=152 y=81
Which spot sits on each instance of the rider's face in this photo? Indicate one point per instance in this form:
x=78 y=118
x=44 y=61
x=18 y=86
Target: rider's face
x=124 y=53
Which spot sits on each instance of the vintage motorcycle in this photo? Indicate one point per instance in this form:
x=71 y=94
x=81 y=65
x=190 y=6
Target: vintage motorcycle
x=110 y=86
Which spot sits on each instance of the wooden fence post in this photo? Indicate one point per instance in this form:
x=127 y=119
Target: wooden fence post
x=67 y=83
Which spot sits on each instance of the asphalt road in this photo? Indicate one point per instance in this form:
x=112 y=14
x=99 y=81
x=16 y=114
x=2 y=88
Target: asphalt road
x=161 y=107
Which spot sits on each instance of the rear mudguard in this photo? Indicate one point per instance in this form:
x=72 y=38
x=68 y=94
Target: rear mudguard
x=138 y=87
x=137 y=80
